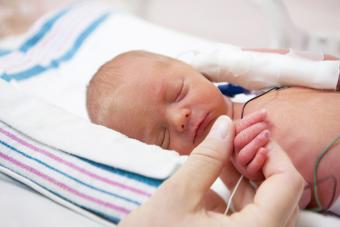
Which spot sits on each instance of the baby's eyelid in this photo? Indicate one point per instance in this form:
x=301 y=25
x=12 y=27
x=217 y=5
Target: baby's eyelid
x=163 y=137
x=179 y=96
x=166 y=139
x=168 y=144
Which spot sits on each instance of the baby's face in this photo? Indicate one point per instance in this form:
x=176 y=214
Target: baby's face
x=172 y=106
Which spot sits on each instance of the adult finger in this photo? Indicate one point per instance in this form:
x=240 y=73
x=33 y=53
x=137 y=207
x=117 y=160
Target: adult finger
x=206 y=161
x=293 y=218
x=279 y=194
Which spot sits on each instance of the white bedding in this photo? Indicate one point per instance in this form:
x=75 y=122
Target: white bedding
x=16 y=208
x=65 y=87
x=56 y=215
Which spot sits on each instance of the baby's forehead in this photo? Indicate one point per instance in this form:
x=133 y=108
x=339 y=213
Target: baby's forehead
x=149 y=68
x=149 y=73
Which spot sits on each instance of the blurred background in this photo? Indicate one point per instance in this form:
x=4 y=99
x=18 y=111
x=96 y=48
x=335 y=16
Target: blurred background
x=304 y=24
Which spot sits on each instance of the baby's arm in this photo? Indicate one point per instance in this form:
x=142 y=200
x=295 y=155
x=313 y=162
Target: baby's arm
x=250 y=154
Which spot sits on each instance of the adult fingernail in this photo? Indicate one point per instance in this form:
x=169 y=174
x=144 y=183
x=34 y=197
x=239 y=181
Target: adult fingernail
x=220 y=127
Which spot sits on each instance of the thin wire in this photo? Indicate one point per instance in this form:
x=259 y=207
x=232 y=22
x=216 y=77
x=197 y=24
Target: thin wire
x=315 y=173
x=232 y=195
x=258 y=96
x=230 y=200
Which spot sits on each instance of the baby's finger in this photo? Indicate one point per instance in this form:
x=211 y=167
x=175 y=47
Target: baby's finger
x=249 y=151
x=250 y=119
x=247 y=135
x=255 y=166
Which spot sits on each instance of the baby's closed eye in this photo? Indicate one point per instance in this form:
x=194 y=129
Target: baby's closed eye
x=182 y=91
x=165 y=144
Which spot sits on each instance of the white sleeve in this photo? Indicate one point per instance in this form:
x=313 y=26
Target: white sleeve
x=256 y=70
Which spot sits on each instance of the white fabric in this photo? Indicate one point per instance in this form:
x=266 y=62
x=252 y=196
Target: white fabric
x=316 y=56
x=51 y=196
x=257 y=70
x=16 y=201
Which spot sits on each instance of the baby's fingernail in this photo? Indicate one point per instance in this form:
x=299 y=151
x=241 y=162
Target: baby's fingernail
x=265 y=134
x=263 y=150
x=220 y=127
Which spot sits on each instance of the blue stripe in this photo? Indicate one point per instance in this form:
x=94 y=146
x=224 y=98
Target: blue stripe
x=80 y=40
x=67 y=175
x=110 y=218
x=34 y=39
x=44 y=29
x=37 y=69
x=100 y=214
x=4 y=52
x=134 y=176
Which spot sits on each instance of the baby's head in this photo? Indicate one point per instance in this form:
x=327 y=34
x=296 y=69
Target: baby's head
x=155 y=99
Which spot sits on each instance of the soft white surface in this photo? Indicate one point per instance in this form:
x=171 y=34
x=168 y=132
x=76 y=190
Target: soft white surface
x=257 y=70
x=20 y=206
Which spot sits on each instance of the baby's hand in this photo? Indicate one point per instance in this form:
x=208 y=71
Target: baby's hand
x=250 y=154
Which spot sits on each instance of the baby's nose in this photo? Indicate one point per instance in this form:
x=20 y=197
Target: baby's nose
x=181 y=120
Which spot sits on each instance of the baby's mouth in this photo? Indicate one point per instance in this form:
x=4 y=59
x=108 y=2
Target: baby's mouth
x=201 y=127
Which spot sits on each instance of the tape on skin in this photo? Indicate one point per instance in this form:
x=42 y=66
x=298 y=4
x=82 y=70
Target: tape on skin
x=316 y=56
x=256 y=70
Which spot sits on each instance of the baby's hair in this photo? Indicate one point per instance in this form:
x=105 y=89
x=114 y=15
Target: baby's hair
x=99 y=90
x=107 y=80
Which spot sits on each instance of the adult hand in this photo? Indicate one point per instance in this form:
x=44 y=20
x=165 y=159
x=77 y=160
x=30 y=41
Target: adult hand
x=180 y=200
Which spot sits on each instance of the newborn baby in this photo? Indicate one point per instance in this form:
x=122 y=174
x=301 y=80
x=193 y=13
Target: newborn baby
x=163 y=101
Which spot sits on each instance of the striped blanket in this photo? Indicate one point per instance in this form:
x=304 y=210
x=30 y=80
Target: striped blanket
x=90 y=169
x=105 y=191
x=53 y=40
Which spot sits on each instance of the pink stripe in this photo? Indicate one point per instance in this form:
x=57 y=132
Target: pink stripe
x=64 y=186
x=71 y=165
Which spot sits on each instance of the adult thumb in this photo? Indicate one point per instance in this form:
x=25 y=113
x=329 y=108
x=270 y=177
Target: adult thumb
x=206 y=161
